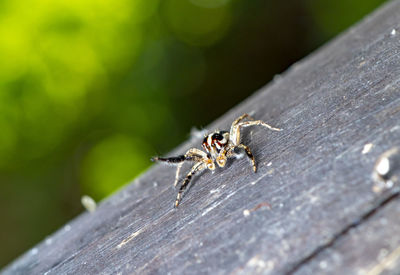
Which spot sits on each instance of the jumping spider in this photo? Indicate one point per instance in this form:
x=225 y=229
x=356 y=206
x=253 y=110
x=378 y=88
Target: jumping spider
x=218 y=146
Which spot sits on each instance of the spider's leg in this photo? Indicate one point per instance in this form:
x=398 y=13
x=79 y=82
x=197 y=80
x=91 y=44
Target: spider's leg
x=241 y=118
x=195 y=155
x=248 y=153
x=258 y=122
x=171 y=160
x=178 y=169
x=197 y=167
x=192 y=154
x=235 y=130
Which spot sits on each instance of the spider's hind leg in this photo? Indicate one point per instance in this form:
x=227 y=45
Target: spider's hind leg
x=178 y=169
x=172 y=160
x=192 y=154
x=196 y=168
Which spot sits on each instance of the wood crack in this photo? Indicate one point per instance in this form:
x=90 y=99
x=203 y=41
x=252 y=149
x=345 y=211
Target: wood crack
x=382 y=202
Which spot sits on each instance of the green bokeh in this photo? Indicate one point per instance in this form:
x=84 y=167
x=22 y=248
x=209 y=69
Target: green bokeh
x=90 y=90
x=113 y=162
x=198 y=24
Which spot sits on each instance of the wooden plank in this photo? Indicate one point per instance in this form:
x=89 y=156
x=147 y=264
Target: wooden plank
x=312 y=198
x=371 y=247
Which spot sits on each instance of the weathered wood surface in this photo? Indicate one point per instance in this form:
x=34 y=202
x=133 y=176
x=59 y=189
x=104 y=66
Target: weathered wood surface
x=326 y=214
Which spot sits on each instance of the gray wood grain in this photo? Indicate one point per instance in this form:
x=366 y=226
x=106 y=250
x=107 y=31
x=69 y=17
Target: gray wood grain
x=312 y=206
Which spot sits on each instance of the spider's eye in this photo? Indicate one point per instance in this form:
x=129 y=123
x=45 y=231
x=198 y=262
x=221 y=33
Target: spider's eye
x=219 y=138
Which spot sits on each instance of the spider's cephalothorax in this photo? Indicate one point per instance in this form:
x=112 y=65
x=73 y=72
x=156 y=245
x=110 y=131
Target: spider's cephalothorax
x=215 y=142
x=218 y=146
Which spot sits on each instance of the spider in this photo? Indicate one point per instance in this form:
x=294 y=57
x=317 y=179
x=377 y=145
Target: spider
x=218 y=147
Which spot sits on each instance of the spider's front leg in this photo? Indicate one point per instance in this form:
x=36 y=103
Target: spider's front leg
x=196 y=168
x=245 y=115
x=234 y=135
x=237 y=125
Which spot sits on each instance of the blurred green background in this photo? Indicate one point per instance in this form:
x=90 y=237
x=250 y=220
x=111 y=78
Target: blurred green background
x=90 y=90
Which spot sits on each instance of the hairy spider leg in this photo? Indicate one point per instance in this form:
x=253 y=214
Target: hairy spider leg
x=249 y=154
x=231 y=153
x=235 y=129
x=178 y=169
x=196 y=168
x=171 y=160
x=245 y=115
x=197 y=155
x=192 y=154
x=235 y=135
x=196 y=152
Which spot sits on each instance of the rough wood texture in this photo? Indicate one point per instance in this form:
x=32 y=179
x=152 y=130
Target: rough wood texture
x=312 y=207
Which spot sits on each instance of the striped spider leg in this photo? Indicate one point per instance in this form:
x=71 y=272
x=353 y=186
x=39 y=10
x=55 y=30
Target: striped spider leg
x=202 y=161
